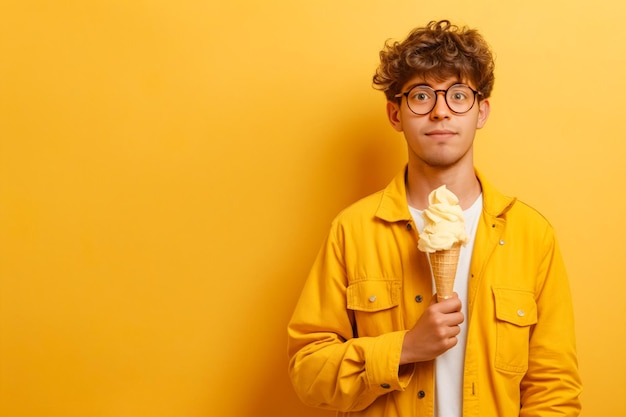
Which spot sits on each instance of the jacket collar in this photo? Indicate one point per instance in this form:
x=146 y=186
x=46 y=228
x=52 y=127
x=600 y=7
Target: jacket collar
x=394 y=206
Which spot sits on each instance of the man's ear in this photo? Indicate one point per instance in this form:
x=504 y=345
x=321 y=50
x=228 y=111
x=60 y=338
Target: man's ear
x=394 y=116
x=483 y=113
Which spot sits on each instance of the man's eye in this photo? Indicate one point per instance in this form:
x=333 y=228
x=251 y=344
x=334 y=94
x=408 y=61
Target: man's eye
x=421 y=96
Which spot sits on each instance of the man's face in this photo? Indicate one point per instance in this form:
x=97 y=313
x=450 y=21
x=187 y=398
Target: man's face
x=442 y=138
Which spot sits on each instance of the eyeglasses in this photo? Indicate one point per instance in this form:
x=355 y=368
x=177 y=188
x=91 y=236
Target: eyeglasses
x=422 y=99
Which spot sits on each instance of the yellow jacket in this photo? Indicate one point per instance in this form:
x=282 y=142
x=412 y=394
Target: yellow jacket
x=370 y=284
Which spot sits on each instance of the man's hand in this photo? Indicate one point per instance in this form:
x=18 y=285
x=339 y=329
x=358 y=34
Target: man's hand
x=435 y=332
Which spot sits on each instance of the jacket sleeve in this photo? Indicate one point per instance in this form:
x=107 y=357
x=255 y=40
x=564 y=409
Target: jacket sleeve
x=329 y=366
x=552 y=385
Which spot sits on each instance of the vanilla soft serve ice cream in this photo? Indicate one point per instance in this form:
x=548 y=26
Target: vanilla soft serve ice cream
x=444 y=224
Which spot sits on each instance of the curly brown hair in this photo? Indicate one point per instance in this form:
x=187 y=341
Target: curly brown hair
x=439 y=50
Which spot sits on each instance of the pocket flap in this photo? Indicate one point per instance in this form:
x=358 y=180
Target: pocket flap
x=515 y=306
x=373 y=295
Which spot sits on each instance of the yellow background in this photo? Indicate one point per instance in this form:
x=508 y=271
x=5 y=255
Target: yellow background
x=168 y=170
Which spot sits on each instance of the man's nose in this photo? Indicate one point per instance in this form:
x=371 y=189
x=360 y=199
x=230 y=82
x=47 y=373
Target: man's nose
x=441 y=109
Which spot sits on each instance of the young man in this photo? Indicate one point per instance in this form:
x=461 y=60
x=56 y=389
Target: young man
x=367 y=337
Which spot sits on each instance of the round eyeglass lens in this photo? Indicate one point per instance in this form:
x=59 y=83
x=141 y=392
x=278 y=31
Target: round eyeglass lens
x=460 y=98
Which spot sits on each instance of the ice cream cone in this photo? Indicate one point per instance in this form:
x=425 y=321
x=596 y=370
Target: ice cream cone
x=443 y=265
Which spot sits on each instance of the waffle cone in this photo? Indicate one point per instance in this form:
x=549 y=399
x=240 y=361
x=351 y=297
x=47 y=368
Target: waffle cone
x=443 y=265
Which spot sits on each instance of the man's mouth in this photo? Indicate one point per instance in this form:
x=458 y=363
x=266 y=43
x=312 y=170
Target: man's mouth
x=441 y=133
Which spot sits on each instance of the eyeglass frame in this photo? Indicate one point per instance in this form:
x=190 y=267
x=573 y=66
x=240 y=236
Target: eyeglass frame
x=445 y=97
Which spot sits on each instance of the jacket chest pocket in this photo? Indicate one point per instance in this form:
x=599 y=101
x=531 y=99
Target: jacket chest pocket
x=516 y=313
x=375 y=305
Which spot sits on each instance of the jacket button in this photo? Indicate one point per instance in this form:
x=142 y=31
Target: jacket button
x=421 y=394
x=419 y=299
x=385 y=386
x=521 y=313
x=372 y=298
x=409 y=227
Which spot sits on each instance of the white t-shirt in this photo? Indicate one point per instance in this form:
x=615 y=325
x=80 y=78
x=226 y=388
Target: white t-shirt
x=449 y=366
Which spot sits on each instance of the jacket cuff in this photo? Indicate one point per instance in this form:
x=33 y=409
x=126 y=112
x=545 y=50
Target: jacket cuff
x=382 y=360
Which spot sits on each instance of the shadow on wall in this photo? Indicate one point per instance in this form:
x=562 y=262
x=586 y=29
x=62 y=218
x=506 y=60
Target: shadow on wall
x=365 y=155
x=361 y=157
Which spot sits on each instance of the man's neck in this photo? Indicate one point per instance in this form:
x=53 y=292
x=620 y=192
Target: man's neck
x=461 y=181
